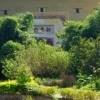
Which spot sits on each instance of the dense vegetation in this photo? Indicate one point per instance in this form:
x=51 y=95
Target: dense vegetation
x=82 y=41
x=77 y=62
x=18 y=47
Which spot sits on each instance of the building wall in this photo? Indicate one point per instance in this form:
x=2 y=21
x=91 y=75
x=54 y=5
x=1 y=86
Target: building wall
x=57 y=26
x=19 y=6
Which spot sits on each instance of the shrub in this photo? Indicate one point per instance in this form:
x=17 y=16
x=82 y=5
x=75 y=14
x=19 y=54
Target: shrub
x=83 y=80
x=24 y=74
x=97 y=84
x=46 y=61
x=67 y=92
x=67 y=80
x=76 y=94
x=79 y=95
x=32 y=88
x=32 y=83
x=28 y=97
x=8 y=87
x=97 y=96
x=47 y=91
x=89 y=95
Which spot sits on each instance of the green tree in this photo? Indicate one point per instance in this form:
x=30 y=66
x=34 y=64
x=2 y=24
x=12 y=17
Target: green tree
x=73 y=31
x=8 y=30
x=11 y=49
x=45 y=60
x=95 y=58
x=17 y=28
x=85 y=58
x=16 y=34
x=89 y=28
x=81 y=56
x=16 y=69
x=24 y=74
x=92 y=25
x=26 y=21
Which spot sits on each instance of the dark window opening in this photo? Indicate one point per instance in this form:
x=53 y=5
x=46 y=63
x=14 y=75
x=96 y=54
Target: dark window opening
x=41 y=9
x=5 y=12
x=77 y=10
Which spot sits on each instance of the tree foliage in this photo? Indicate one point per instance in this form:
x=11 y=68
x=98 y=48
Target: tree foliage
x=17 y=28
x=45 y=60
x=72 y=33
x=16 y=33
x=89 y=28
x=82 y=40
x=81 y=57
x=10 y=49
x=18 y=46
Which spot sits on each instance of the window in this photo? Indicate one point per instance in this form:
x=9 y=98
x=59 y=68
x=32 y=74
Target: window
x=5 y=12
x=41 y=9
x=77 y=10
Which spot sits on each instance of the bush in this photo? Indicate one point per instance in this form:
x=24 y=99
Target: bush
x=24 y=74
x=47 y=91
x=76 y=94
x=89 y=95
x=8 y=87
x=67 y=81
x=83 y=80
x=67 y=92
x=97 y=84
x=11 y=87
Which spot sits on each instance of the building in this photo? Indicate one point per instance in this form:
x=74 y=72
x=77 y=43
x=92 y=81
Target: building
x=49 y=14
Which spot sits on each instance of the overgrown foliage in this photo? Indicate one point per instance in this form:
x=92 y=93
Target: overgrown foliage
x=89 y=28
x=18 y=47
x=81 y=39
x=33 y=89
x=13 y=39
x=81 y=42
